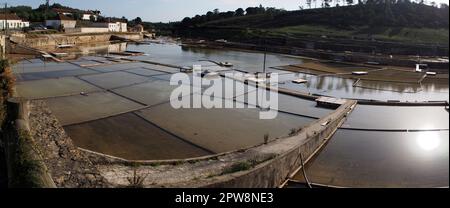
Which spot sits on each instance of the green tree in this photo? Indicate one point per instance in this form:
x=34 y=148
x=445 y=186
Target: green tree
x=77 y=15
x=240 y=12
x=137 y=21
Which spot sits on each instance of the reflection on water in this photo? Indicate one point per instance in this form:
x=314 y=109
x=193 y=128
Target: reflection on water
x=253 y=62
x=346 y=88
x=102 y=48
x=323 y=85
x=187 y=56
x=428 y=141
x=383 y=159
x=398 y=117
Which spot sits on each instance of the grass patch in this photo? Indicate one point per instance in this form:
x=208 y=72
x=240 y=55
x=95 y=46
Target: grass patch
x=398 y=34
x=26 y=171
x=237 y=167
x=7 y=82
x=246 y=165
x=316 y=30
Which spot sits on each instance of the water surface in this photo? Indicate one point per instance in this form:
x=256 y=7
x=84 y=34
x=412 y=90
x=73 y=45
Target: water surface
x=382 y=159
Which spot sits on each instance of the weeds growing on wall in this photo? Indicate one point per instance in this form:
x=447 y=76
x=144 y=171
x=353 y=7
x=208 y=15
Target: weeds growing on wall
x=7 y=82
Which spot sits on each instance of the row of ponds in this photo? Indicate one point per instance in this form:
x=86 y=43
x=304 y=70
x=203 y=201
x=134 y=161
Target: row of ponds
x=124 y=110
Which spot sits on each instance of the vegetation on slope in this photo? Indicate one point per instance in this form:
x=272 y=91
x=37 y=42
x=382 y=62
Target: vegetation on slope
x=393 y=20
x=6 y=83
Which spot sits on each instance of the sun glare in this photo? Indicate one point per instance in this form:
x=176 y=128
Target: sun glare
x=428 y=141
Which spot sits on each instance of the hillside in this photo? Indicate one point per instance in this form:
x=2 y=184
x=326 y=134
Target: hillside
x=402 y=21
x=43 y=12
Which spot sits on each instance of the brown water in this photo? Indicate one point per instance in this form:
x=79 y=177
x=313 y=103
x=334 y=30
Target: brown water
x=81 y=108
x=222 y=130
x=131 y=137
x=53 y=87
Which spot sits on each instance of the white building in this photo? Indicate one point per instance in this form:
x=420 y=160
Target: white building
x=114 y=25
x=117 y=27
x=12 y=22
x=87 y=16
x=2 y=46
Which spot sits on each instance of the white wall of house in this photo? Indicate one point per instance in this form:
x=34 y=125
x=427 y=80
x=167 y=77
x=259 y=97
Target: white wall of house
x=13 y=24
x=88 y=17
x=117 y=27
x=87 y=30
x=113 y=26
x=123 y=27
x=2 y=46
x=94 y=30
x=25 y=24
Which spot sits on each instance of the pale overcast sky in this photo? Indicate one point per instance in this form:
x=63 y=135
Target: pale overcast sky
x=166 y=10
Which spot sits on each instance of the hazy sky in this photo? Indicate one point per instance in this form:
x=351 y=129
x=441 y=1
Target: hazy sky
x=166 y=10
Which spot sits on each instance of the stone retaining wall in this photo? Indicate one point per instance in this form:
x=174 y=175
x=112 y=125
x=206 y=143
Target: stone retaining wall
x=63 y=39
x=41 y=155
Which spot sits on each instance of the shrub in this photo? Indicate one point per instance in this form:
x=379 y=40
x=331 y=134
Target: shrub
x=237 y=167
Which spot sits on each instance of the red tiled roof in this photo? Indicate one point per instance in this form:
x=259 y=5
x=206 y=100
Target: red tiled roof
x=9 y=17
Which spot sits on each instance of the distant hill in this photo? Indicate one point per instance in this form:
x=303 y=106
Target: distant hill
x=383 y=20
x=35 y=15
x=43 y=12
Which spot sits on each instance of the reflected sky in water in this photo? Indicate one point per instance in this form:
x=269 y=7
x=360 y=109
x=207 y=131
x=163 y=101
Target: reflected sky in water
x=187 y=56
x=383 y=159
x=322 y=85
